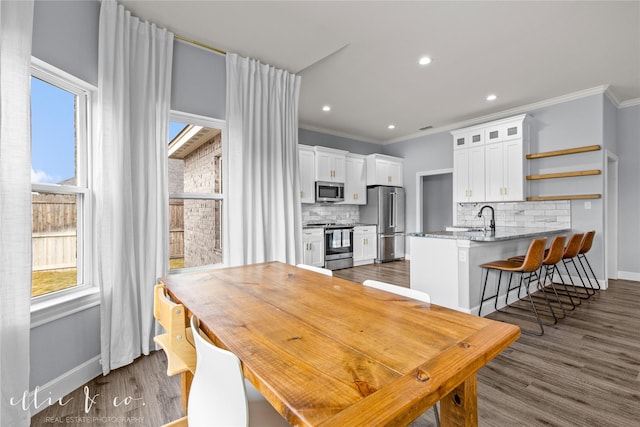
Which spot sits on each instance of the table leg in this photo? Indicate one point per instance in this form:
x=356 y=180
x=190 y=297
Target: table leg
x=460 y=407
x=185 y=384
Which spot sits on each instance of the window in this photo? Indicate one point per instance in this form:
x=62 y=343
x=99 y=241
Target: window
x=60 y=191
x=195 y=192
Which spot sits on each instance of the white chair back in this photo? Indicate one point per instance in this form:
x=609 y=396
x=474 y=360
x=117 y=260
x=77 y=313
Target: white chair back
x=398 y=290
x=220 y=396
x=217 y=395
x=320 y=270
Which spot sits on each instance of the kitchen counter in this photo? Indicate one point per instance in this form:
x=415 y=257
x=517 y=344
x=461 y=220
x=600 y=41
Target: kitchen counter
x=446 y=264
x=501 y=233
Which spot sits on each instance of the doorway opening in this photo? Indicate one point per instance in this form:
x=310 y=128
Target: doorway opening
x=434 y=200
x=611 y=216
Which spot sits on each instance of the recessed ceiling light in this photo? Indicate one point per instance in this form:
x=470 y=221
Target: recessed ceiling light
x=391 y=127
x=326 y=108
x=491 y=97
x=424 y=60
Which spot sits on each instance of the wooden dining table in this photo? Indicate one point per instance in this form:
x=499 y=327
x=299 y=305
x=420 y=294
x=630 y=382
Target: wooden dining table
x=325 y=351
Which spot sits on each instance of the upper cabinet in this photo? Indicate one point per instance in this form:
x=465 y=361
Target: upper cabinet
x=330 y=164
x=468 y=175
x=384 y=170
x=306 y=162
x=489 y=161
x=467 y=139
x=355 y=184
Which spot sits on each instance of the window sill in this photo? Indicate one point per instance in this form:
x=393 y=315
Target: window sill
x=51 y=309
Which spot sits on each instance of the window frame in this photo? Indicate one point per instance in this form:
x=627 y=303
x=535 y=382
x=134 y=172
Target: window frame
x=198 y=120
x=85 y=294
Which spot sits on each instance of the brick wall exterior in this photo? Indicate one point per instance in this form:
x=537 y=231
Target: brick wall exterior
x=202 y=218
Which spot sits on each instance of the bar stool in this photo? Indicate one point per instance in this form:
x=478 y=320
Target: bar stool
x=571 y=251
x=553 y=256
x=528 y=270
x=587 y=242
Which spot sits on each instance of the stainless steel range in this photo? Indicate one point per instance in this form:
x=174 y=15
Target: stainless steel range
x=338 y=245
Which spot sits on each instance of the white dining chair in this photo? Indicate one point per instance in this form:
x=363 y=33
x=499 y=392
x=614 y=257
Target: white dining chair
x=398 y=290
x=220 y=396
x=409 y=293
x=320 y=270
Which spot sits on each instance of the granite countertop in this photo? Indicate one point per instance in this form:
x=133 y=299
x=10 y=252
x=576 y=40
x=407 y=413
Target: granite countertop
x=501 y=233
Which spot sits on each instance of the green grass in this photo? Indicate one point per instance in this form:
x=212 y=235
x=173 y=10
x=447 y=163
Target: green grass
x=47 y=281
x=176 y=263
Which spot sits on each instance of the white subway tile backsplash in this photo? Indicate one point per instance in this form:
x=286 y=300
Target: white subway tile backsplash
x=327 y=212
x=548 y=215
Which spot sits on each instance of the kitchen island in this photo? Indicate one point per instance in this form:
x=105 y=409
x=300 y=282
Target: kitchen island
x=446 y=264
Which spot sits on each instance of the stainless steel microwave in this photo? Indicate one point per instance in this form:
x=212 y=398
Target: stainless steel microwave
x=329 y=191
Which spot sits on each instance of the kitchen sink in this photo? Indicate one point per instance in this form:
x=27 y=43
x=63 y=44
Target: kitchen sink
x=467 y=229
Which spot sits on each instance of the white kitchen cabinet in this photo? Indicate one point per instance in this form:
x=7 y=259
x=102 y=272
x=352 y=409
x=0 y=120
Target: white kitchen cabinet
x=307 y=166
x=504 y=172
x=488 y=161
x=365 y=247
x=355 y=184
x=384 y=170
x=313 y=246
x=469 y=175
x=502 y=130
x=330 y=164
x=468 y=139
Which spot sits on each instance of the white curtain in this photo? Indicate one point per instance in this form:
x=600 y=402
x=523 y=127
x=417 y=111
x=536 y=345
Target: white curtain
x=130 y=179
x=263 y=193
x=16 y=22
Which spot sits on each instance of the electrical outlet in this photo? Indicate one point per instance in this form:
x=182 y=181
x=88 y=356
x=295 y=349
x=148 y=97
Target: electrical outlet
x=587 y=205
x=462 y=256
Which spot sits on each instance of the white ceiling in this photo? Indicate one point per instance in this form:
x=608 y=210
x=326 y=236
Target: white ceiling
x=360 y=57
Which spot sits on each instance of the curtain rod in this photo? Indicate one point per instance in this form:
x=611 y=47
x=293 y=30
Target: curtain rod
x=197 y=43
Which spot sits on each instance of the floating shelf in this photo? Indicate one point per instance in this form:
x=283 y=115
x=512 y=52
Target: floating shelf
x=571 y=197
x=564 y=152
x=564 y=174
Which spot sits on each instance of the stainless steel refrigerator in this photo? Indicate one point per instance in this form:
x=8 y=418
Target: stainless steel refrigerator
x=385 y=209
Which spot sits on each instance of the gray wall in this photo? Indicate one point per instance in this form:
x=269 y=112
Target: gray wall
x=65 y=34
x=437 y=201
x=199 y=81
x=424 y=154
x=311 y=137
x=628 y=125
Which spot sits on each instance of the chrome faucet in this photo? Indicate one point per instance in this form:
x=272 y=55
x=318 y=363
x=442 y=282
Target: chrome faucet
x=492 y=224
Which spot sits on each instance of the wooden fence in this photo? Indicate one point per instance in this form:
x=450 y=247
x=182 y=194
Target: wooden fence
x=53 y=251
x=176 y=228
x=53 y=240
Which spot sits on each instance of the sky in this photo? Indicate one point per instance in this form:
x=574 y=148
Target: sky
x=53 y=133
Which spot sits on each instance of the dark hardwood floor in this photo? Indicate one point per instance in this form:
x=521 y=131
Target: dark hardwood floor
x=584 y=371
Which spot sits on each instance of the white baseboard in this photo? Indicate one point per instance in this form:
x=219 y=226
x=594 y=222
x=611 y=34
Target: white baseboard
x=64 y=384
x=604 y=284
x=629 y=275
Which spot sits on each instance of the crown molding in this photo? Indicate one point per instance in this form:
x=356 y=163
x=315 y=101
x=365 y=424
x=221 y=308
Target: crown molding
x=338 y=133
x=598 y=90
x=612 y=96
x=629 y=103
